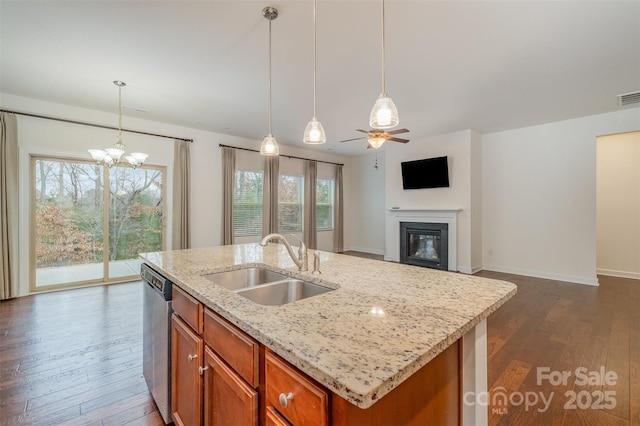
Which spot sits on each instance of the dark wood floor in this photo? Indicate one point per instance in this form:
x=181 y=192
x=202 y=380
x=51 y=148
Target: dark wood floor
x=75 y=357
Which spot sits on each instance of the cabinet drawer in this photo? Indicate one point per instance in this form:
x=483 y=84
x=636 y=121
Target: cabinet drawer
x=308 y=403
x=274 y=418
x=233 y=345
x=189 y=309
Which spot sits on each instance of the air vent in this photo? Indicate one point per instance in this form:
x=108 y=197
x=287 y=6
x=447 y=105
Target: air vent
x=629 y=99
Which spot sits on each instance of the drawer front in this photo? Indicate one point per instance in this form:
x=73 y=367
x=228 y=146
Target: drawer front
x=296 y=397
x=233 y=345
x=189 y=309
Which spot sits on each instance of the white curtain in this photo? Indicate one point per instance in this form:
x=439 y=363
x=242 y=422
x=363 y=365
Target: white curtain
x=181 y=228
x=310 y=175
x=338 y=215
x=8 y=205
x=228 y=177
x=270 y=195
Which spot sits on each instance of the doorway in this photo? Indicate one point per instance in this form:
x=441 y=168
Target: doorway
x=89 y=221
x=618 y=205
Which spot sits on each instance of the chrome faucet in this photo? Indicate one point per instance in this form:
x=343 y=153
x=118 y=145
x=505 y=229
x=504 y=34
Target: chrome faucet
x=301 y=262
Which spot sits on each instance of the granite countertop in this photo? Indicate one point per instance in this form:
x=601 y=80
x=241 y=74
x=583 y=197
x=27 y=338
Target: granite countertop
x=384 y=322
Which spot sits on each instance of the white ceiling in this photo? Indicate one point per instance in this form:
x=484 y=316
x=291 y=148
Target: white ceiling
x=451 y=65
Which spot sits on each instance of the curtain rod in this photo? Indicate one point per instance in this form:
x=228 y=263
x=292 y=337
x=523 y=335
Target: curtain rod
x=281 y=155
x=84 y=123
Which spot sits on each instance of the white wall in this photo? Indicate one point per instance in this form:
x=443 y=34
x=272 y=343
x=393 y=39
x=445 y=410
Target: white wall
x=618 y=205
x=476 y=201
x=367 y=232
x=39 y=136
x=539 y=196
x=457 y=147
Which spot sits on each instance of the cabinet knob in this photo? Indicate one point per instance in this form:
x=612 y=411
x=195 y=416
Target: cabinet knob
x=192 y=357
x=201 y=370
x=284 y=399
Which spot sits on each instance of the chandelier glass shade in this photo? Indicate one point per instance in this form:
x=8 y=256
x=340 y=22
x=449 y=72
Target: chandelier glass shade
x=115 y=155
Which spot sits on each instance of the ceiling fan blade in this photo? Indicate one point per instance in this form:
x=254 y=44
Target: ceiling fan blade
x=354 y=139
x=395 y=132
x=363 y=131
x=398 y=140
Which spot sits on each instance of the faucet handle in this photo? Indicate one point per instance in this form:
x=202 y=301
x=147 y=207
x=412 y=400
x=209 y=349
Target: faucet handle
x=303 y=247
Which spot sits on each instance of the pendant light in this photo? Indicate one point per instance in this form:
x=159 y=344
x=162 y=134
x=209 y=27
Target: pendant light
x=314 y=132
x=111 y=156
x=269 y=145
x=384 y=114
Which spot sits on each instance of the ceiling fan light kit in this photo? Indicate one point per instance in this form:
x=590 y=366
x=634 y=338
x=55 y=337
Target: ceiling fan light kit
x=112 y=156
x=269 y=145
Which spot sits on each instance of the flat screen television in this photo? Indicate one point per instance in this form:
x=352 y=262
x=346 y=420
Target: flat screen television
x=426 y=173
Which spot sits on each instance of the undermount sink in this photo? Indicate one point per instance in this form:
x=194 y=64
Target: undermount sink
x=245 y=278
x=282 y=292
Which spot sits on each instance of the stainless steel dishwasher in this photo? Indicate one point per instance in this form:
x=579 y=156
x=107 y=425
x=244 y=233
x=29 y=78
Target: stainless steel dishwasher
x=156 y=338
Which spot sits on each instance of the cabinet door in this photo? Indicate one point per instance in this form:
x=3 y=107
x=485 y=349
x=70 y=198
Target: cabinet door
x=186 y=381
x=228 y=399
x=275 y=419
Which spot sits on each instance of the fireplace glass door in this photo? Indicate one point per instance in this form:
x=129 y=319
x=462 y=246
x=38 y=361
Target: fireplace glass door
x=424 y=245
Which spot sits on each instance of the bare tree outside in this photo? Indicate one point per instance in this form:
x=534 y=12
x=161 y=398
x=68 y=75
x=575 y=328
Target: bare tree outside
x=69 y=212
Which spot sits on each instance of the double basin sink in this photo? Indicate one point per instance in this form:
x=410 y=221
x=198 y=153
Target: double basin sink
x=266 y=287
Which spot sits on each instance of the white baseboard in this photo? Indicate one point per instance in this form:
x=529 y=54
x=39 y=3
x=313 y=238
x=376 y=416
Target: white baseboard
x=365 y=250
x=621 y=274
x=545 y=275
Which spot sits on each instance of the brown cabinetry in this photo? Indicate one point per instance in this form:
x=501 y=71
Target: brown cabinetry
x=221 y=376
x=215 y=368
x=186 y=383
x=187 y=352
x=229 y=400
x=293 y=395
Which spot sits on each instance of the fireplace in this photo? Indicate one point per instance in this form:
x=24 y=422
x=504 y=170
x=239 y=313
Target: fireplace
x=425 y=244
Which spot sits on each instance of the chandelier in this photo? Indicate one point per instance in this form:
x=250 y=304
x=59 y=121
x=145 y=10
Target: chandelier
x=115 y=155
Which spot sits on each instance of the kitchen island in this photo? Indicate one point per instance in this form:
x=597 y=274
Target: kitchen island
x=382 y=323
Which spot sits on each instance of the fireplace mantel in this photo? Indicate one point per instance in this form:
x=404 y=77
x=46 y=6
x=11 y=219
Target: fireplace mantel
x=395 y=216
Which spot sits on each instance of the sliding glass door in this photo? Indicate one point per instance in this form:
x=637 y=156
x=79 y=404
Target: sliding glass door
x=90 y=222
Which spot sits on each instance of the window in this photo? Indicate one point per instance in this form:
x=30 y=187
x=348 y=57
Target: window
x=324 y=204
x=247 y=203
x=290 y=203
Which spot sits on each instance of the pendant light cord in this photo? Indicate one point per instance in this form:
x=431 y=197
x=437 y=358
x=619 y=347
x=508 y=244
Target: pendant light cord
x=383 y=59
x=269 y=77
x=120 y=113
x=314 y=59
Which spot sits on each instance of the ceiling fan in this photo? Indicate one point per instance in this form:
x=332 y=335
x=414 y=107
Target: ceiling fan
x=377 y=137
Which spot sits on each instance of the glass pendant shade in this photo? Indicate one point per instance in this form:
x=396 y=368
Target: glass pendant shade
x=314 y=133
x=269 y=147
x=376 y=143
x=384 y=114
